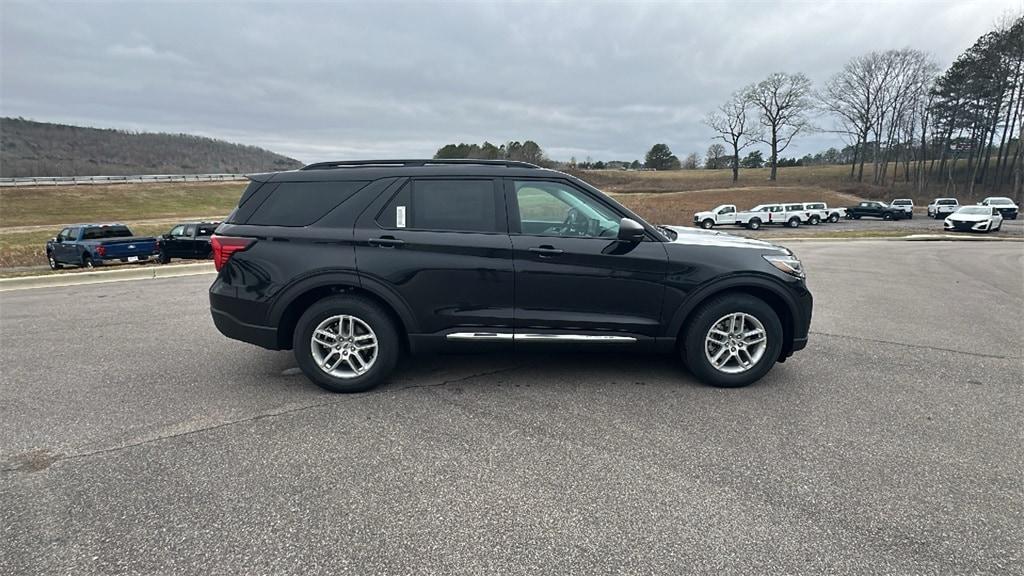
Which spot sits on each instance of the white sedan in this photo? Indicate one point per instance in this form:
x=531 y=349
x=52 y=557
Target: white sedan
x=974 y=219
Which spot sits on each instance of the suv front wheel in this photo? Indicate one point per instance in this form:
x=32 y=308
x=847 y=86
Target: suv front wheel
x=732 y=340
x=346 y=344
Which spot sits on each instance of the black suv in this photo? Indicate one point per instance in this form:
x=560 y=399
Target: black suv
x=350 y=263
x=188 y=240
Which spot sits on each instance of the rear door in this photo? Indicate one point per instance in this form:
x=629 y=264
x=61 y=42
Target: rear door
x=202 y=239
x=175 y=243
x=442 y=244
x=573 y=277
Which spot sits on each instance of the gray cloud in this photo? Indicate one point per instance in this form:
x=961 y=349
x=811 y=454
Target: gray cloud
x=347 y=80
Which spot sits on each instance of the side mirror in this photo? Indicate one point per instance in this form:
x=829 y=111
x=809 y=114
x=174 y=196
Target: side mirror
x=166 y=236
x=630 y=230
x=55 y=240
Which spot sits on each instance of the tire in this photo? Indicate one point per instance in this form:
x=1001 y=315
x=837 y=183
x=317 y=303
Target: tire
x=887 y=216
x=793 y=222
x=814 y=221
x=87 y=261
x=696 y=348
x=371 y=317
x=163 y=258
x=707 y=224
x=833 y=218
x=754 y=224
x=54 y=265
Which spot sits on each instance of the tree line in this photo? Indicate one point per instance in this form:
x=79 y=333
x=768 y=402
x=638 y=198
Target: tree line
x=961 y=129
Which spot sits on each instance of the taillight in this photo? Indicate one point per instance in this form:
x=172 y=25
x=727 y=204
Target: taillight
x=225 y=246
x=101 y=250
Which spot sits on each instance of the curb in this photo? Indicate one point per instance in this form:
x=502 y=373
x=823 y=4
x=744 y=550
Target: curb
x=103 y=276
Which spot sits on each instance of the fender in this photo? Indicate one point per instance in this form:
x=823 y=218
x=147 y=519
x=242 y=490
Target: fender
x=343 y=278
x=741 y=280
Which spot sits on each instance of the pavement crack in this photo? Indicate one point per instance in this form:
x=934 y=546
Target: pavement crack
x=916 y=346
x=462 y=378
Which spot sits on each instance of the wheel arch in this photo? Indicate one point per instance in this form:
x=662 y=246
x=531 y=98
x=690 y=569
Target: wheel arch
x=296 y=299
x=763 y=288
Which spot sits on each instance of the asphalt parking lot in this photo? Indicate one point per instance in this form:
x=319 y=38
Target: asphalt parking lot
x=136 y=439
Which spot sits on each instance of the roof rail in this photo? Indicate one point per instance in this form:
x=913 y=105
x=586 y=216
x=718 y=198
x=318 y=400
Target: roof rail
x=435 y=162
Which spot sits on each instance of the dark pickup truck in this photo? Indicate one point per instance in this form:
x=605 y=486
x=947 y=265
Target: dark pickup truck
x=875 y=210
x=89 y=245
x=188 y=240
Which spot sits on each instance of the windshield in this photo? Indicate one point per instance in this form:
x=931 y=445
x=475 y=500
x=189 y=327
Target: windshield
x=998 y=201
x=974 y=210
x=101 y=232
x=946 y=202
x=901 y=202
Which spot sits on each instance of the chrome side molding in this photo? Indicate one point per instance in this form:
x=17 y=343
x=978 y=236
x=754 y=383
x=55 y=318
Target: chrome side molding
x=498 y=336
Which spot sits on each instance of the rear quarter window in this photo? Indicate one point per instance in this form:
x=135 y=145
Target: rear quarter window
x=302 y=203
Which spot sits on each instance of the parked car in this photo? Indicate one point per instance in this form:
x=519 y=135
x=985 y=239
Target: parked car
x=726 y=214
x=349 y=263
x=874 y=209
x=942 y=206
x=905 y=204
x=189 y=240
x=1007 y=208
x=823 y=212
x=974 y=219
x=89 y=245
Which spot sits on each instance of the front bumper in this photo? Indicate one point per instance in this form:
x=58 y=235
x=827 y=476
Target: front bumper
x=962 y=226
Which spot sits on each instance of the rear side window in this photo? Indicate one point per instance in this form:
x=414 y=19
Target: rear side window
x=206 y=229
x=101 y=232
x=443 y=205
x=302 y=203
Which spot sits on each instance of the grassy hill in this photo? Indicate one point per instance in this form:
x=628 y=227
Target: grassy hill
x=29 y=148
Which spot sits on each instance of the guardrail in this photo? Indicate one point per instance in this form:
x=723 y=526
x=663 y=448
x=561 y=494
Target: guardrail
x=88 y=180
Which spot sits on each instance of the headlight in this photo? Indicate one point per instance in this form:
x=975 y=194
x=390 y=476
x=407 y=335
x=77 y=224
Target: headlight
x=789 y=264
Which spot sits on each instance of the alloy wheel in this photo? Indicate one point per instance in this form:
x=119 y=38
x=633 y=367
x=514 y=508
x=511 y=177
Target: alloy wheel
x=344 y=346
x=735 y=343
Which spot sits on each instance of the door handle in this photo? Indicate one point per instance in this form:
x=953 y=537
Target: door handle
x=386 y=242
x=546 y=251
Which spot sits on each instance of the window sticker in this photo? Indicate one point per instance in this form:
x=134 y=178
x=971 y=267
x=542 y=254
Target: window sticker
x=400 y=216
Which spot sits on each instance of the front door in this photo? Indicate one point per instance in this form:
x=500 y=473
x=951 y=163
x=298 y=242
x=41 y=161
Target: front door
x=175 y=244
x=442 y=243
x=572 y=274
x=727 y=215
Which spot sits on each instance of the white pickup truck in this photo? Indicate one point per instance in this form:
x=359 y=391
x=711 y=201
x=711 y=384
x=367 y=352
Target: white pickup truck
x=823 y=212
x=791 y=215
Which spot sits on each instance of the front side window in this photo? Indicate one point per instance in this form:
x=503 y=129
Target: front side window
x=556 y=209
x=178 y=230
x=727 y=210
x=444 y=206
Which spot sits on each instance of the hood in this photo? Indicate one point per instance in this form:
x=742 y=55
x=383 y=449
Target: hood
x=969 y=217
x=700 y=237
x=707 y=213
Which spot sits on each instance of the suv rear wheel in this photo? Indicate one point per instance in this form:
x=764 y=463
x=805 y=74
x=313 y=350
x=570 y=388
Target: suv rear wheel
x=732 y=340
x=346 y=344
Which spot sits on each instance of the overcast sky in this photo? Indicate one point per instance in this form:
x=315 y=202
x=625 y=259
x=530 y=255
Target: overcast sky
x=361 y=79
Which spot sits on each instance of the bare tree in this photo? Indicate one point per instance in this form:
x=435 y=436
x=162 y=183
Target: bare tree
x=783 y=102
x=734 y=128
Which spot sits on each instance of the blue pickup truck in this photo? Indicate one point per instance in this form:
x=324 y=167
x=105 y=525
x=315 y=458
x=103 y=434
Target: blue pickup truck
x=90 y=245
